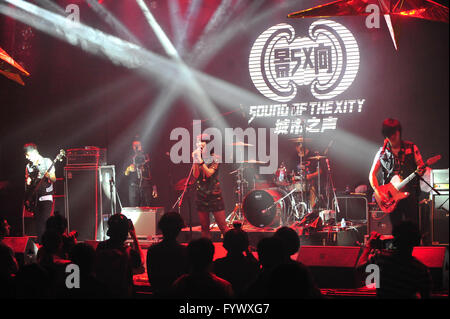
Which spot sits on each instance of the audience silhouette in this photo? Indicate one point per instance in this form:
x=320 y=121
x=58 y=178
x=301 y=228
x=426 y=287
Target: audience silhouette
x=8 y=263
x=402 y=276
x=167 y=260
x=49 y=258
x=116 y=262
x=290 y=240
x=33 y=282
x=239 y=267
x=201 y=283
x=58 y=224
x=291 y=279
x=83 y=255
x=271 y=253
x=177 y=271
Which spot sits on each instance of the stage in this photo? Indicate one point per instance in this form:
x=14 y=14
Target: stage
x=351 y=236
x=321 y=117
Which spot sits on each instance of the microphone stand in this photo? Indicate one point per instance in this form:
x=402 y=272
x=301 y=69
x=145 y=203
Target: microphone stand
x=336 y=203
x=276 y=202
x=116 y=194
x=180 y=200
x=434 y=190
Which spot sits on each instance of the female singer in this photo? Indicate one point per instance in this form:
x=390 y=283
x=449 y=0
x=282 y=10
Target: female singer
x=209 y=194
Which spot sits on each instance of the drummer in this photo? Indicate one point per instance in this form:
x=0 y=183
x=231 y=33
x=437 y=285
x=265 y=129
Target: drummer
x=307 y=168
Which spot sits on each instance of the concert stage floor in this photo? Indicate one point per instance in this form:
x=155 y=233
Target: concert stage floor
x=254 y=234
x=348 y=237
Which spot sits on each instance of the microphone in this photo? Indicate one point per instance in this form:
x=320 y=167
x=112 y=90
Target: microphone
x=199 y=150
x=267 y=209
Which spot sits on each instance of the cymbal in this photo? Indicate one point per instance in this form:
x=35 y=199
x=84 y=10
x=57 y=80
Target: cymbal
x=253 y=162
x=240 y=144
x=237 y=170
x=300 y=139
x=317 y=157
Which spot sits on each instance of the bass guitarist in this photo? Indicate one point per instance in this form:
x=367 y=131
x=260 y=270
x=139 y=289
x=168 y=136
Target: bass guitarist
x=41 y=199
x=398 y=157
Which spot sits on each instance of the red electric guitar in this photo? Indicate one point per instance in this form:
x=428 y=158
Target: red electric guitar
x=393 y=190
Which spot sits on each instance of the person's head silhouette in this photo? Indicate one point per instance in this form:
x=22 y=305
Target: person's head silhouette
x=406 y=236
x=52 y=241
x=290 y=239
x=271 y=252
x=235 y=241
x=56 y=223
x=170 y=225
x=200 y=254
x=118 y=227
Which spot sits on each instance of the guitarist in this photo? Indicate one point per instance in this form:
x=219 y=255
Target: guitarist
x=398 y=157
x=41 y=198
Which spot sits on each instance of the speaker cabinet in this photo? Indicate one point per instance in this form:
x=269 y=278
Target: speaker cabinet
x=25 y=250
x=439 y=204
x=436 y=259
x=439 y=219
x=379 y=222
x=145 y=220
x=352 y=208
x=331 y=266
x=89 y=199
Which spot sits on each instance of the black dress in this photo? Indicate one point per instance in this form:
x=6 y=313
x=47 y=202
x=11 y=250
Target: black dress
x=209 y=194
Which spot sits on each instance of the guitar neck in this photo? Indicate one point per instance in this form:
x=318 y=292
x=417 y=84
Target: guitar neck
x=39 y=180
x=406 y=180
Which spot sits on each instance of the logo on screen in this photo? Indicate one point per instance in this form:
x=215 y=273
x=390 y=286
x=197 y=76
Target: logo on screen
x=326 y=61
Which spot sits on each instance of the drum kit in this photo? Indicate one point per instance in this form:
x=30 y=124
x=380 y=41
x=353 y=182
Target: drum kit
x=281 y=202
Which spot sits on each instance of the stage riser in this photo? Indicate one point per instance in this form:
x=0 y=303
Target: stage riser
x=343 y=238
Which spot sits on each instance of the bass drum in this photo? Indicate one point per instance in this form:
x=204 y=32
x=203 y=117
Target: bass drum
x=257 y=201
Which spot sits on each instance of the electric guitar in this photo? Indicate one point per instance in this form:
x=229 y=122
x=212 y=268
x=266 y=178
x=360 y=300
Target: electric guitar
x=393 y=190
x=30 y=200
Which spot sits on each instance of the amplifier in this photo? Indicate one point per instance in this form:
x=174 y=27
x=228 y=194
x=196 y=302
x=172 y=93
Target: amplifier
x=439 y=207
x=439 y=218
x=89 y=155
x=352 y=207
x=379 y=222
x=145 y=220
x=440 y=178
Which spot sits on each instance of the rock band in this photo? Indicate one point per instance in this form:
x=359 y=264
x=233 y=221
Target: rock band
x=298 y=178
